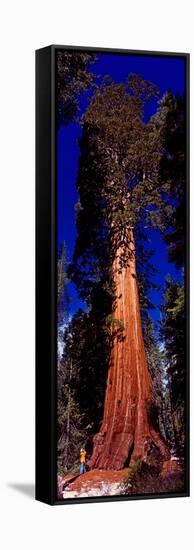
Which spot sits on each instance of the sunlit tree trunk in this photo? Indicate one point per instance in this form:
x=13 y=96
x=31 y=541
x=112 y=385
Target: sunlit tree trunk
x=126 y=432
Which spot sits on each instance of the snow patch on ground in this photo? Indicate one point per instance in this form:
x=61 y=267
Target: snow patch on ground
x=102 y=489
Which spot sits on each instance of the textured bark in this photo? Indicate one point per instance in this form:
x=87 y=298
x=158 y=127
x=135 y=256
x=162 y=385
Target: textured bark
x=126 y=426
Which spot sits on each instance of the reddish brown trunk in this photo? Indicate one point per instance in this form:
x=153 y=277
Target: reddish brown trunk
x=126 y=427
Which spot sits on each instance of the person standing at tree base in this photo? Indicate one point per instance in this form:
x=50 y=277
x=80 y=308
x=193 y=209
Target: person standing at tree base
x=82 y=461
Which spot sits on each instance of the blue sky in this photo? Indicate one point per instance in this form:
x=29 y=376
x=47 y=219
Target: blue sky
x=168 y=74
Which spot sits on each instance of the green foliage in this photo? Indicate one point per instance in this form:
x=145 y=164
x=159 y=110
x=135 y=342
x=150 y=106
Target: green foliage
x=139 y=471
x=73 y=77
x=120 y=180
x=173 y=333
x=71 y=435
x=113 y=187
x=135 y=467
x=157 y=370
x=146 y=271
x=119 y=140
x=81 y=385
x=173 y=172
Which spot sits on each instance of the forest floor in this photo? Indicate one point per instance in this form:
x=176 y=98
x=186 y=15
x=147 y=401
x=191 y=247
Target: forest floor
x=141 y=478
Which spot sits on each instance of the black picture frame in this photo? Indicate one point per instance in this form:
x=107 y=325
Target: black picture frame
x=46 y=330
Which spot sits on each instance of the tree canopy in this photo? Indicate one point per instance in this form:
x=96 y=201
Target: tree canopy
x=73 y=77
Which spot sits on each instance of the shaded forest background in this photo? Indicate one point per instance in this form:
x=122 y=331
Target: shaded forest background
x=158 y=200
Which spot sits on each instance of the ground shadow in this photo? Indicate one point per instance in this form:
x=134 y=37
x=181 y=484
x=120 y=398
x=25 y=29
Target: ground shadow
x=27 y=489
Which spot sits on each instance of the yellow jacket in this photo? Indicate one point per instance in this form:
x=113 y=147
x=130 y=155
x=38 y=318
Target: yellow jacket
x=83 y=456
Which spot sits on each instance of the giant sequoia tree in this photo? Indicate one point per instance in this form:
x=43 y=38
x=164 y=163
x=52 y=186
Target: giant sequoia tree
x=120 y=187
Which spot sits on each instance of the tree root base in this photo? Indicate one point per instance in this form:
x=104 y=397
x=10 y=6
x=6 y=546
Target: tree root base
x=114 y=454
